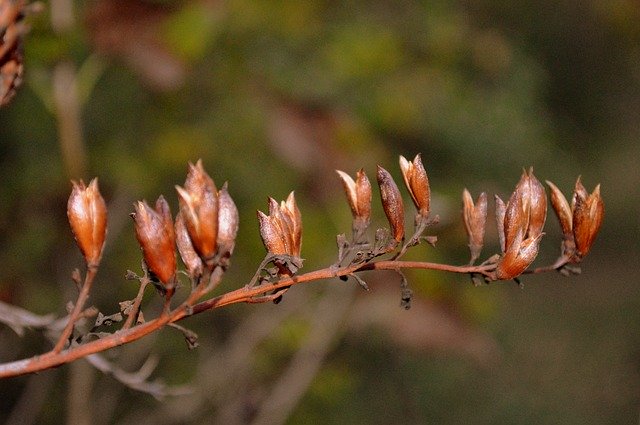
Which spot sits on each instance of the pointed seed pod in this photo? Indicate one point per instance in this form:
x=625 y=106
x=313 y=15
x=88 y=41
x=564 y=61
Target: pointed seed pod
x=518 y=209
x=563 y=210
x=290 y=210
x=359 y=197
x=282 y=223
x=475 y=219
x=417 y=182
x=349 y=186
x=271 y=234
x=518 y=257
x=587 y=218
x=199 y=208
x=188 y=254
x=391 y=203
x=156 y=236
x=281 y=230
x=538 y=203
x=228 y=219
x=87 y=214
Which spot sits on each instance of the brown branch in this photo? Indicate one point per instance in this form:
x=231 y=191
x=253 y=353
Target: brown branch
x=135 y=308
x=77 y=309
x=246 y=294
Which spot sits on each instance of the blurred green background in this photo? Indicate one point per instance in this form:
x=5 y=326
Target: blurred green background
x=274 y=96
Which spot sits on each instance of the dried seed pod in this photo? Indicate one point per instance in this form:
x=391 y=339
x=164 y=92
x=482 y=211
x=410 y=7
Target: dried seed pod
x=156 y=236
x=538 y=206
x=271 y=234
x=587 y=218
x=11 y=58
x=520 y=230
x=282 y=223
x=391 y=203
x=581 y=221
x=518 y=256
x=517 y=213
x=228 y=219
x=281 y=230
x=87 y=214
x=291 y=212
x=188 y=254
x=359 y=196
x=475 y=219
x=199 y=208
x=417 y=182
x=563 y=211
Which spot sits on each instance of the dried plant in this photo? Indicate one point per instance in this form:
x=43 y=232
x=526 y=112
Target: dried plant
x=11 y=58
x=204 y=230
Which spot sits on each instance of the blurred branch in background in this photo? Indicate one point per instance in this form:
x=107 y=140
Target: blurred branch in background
x=66 y=96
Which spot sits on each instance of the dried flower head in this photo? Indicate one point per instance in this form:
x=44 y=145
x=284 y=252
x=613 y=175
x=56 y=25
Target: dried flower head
x=475 y=219
x=520 y=224
x=157 y=238
x=199 y=208
x=417 y=182
x=281 y=230
x=87 y=214
x=359 y=196
x=587 y=217
x=579 y=222
x=391 y=203
x=518 y=257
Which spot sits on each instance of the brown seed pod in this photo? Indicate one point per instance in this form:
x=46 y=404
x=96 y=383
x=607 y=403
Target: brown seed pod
x=156 y=236
x=87 y=214
x=587 y=218
x=281 y=230
x=417 y=182
x=518 y=257
x=475 y=219
x=391 y=203
x=562 y=209
x=359 y=197
x=199 y=208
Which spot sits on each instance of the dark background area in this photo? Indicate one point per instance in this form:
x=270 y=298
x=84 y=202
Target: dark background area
x=274 y=96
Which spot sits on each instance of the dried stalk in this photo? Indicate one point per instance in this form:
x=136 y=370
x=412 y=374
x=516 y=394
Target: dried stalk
x=245 y=294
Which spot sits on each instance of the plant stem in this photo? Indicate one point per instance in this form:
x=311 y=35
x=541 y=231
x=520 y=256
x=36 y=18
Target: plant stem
x=244 y=294
x=77 y=309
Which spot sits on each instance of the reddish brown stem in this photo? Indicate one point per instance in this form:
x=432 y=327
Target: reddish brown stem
x=242 y=295
x=135 y=308
x=77 y=309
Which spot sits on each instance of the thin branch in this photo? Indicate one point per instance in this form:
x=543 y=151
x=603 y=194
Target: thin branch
x=18 y=318
x=135 y=308
x=138 y=380
x=77 y=309
x=244 y=294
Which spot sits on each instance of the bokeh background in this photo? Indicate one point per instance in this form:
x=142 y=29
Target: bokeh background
x=274 y=96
